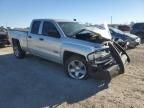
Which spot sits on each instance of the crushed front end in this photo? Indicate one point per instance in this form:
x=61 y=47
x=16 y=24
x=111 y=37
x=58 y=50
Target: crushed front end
x=107 y=62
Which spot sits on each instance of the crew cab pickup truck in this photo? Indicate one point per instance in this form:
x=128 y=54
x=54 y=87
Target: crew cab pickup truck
x=82 y=52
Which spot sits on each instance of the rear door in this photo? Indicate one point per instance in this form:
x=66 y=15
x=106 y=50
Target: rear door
x=33 y=37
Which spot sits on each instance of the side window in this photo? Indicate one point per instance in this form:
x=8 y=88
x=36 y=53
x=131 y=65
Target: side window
x=49 y=29
x=35 y=27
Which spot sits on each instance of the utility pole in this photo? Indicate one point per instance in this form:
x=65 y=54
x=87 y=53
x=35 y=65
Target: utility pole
x=111 y=19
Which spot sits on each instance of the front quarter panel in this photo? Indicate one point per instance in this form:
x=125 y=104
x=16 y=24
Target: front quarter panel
x=77 y=47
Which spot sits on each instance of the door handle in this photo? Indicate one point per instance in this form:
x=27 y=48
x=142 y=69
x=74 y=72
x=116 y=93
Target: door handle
x=29 y=37
x=41 y=39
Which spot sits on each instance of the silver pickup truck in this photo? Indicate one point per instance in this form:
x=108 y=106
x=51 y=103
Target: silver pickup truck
x=82 y=52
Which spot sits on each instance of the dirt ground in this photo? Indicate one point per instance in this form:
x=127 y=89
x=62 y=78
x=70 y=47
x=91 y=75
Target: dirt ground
x=36 y=83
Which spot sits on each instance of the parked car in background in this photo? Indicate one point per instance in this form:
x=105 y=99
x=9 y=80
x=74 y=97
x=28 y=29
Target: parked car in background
x=138 y=29
x=81 y=51
x=126 y=40
x=114 y=34
x=124 y=28
x=4 y=38
x=100 y=29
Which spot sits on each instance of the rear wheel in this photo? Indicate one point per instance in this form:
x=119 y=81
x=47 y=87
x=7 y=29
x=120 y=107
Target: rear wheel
x=18 y=52
x=76 y=67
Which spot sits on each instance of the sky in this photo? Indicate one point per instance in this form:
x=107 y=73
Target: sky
x=19 y=13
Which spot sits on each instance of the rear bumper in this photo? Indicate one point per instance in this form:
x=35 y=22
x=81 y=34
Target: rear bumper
x=133 y=44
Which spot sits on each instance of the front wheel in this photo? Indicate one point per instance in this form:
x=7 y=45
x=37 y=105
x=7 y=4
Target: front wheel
x=76 y=67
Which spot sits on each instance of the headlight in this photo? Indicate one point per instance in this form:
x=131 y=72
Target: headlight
x=127 y=43
x=137 y=40
x=94 y=56
x=98 y=55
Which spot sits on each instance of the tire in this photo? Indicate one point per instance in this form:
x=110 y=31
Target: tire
x=18 y=52
x=76 y=67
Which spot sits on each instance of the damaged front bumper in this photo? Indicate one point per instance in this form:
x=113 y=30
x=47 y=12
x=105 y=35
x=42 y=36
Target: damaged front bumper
x=109 y=65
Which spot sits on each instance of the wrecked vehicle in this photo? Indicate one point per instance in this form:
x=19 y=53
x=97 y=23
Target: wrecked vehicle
x=109 y=35
x=126 y=40
x=82 y=52
x=4 y=38
x=138 y=29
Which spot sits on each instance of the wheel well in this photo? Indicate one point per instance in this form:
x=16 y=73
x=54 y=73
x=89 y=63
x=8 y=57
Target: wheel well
x=68 y=54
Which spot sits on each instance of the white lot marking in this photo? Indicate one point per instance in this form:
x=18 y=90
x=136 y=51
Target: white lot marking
x=4 y=53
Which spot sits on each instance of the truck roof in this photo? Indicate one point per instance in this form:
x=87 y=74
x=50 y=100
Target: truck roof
x=55 y=20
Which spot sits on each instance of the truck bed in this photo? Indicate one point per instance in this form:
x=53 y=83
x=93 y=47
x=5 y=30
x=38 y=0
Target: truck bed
x=20 y=35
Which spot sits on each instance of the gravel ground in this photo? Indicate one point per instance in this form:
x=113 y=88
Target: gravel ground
x=36 y=83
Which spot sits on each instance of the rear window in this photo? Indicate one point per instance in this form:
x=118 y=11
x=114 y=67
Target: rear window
x=35 y=27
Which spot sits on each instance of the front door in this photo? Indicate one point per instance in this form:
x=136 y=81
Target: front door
x=50 y=42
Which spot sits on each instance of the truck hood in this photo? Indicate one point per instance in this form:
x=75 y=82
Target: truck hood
x=102 y=30
x=85 y=44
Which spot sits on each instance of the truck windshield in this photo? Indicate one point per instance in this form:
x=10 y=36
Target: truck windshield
x=69 y=28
